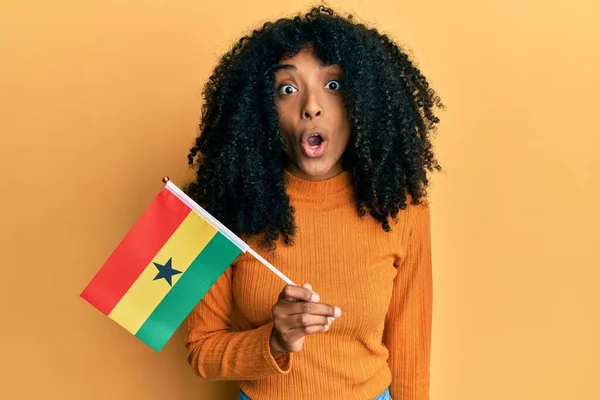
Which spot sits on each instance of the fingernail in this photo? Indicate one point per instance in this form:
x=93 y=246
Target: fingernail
x=331 y=319
x=326 y=327
x=337 y=312
x=315 y=298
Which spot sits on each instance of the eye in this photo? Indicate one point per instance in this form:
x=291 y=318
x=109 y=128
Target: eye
x=287 y=89
x=333 y=85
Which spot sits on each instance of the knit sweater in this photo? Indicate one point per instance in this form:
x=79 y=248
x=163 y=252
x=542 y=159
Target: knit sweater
x=381 y=281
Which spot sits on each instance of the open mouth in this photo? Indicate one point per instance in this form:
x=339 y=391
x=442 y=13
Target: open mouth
x=315 y=140
x=314 y=145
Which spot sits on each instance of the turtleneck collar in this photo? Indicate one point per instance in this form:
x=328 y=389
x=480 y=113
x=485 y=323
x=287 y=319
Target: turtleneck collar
x=309 y=188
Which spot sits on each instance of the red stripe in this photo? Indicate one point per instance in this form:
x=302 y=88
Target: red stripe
x=137 y=249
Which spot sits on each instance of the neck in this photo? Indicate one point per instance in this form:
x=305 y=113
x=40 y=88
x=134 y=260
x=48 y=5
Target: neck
x=337 y=169
x=298 y=186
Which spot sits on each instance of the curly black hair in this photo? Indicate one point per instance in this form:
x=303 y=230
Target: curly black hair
x=239 y=176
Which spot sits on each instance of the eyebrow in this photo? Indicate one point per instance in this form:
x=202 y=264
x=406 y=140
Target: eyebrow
x=277 y=67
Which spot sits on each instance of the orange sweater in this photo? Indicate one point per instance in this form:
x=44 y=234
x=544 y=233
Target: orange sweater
x=380 y=280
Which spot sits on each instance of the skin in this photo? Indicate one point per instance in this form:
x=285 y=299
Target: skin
x=307 y=96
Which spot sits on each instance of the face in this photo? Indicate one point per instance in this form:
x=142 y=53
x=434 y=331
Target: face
x=312 y=118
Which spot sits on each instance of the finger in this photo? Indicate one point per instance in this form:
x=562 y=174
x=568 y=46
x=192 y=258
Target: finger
x=314 y=308
x=300 y=320
x=307 y=330
x=288 y=322
x=297 y=293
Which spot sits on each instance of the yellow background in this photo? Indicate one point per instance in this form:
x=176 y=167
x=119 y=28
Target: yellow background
x=100 y=99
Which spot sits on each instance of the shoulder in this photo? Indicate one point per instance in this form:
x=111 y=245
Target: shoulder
x=416 y=214
x=419 y=207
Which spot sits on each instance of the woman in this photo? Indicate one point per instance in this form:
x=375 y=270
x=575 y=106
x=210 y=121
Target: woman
x=314 y=147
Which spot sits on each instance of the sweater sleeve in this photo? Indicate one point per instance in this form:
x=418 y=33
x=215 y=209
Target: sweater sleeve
x=407 y=333
x=217 y=352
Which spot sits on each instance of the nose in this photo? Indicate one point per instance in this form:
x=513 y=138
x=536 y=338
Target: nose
x=312 y=107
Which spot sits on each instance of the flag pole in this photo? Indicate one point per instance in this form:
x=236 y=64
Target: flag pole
x=226 y=232
x=271 y=267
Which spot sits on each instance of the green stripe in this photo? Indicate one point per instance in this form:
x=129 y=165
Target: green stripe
x=204 y=271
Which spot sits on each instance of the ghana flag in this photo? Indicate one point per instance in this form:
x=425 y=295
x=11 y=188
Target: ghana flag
x=163 y=267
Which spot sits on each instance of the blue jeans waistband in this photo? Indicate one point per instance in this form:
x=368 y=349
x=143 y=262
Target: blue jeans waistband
x=383 y=396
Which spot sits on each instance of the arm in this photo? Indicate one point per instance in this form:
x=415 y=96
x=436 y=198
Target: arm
x=216 y=352
x=408 y=324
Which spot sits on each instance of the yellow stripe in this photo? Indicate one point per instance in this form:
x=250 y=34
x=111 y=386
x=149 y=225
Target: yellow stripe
x=145 y=294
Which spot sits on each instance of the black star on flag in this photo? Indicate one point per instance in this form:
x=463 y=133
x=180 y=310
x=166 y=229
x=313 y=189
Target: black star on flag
x=166 y=271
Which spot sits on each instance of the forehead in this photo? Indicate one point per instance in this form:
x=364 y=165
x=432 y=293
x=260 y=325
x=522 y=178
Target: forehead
x=305 y=59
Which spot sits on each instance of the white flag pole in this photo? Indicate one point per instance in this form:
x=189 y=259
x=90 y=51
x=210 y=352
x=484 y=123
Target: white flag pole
x=243 y=246
x=271 y=267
